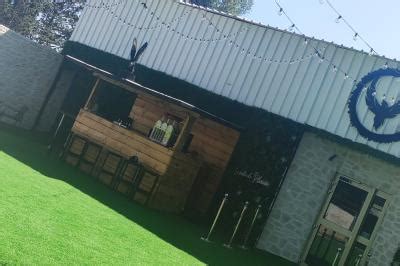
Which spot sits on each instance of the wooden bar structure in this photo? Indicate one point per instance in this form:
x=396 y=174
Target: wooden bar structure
x=191 y=169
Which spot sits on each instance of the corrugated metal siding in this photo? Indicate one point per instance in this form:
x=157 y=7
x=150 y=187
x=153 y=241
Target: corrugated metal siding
x=308 y=91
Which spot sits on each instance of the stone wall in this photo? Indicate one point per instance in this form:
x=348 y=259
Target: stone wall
x=305 y=190
x=27 y=71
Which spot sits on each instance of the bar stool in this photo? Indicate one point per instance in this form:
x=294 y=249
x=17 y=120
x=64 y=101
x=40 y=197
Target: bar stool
x=110 y=167
x=89 y=158
x=146 y=184
x=74 y=149
x=130 y=173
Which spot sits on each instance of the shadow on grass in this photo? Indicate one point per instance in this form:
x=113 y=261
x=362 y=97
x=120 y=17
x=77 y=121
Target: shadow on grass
x=185 y=236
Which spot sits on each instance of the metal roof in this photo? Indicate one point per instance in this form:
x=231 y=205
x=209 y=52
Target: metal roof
x=254 y=64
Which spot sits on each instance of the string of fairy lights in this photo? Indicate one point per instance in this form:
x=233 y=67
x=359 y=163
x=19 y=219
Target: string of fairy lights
x=322 y=58
x=231 y=38
x=172 y=26
x=101 y=4
x=356 y=34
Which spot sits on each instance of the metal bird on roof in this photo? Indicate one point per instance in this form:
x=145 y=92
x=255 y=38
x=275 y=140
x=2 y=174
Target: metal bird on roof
x=134 y=57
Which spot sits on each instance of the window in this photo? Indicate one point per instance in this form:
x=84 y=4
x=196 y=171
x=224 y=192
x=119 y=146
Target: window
x=113 y=103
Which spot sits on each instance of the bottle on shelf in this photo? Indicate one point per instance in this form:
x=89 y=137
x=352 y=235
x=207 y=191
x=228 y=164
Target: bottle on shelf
x=168 y=133
x=164 y=127
x=156 y=129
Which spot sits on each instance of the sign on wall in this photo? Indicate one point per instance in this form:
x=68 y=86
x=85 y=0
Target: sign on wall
x=384 y=108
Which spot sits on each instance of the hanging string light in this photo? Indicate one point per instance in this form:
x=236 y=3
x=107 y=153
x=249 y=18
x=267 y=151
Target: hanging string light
x=317 y=53
x=356 y=35
x=172 y=27
x=281 y=11
x=102 y=4
x=386 y=65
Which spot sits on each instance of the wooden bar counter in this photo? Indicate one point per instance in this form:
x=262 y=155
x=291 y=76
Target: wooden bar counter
x=189 y=167
x=177 y=170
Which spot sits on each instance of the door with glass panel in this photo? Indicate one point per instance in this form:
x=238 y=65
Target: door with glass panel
x=346 y=225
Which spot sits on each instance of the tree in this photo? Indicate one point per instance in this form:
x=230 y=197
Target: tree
x=234 y=7
x=56 y=22
x=48 y=22
x=20 y=15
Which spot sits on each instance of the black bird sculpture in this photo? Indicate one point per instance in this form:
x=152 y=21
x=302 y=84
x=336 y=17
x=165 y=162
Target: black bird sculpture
x=382 y=110
x=135 y=55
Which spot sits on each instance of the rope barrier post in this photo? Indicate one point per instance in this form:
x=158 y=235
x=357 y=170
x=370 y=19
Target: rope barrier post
x=207 y=239
x=246 y=239
x=229 y=244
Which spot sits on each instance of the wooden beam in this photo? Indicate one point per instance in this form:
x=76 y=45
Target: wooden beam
x=92 y=93
x=187 y=128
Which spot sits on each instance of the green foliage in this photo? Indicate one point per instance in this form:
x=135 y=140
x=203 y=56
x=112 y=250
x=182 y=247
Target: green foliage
x=234 y=7
x=56 y=22
x=21 y=16
x=46 y=22
x=51 y=214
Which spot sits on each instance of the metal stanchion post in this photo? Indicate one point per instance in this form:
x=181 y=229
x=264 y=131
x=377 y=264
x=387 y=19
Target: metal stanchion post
x=207 y=239
x=50 y=146
x=251 y=228
x=339 y=250
x=229 y=245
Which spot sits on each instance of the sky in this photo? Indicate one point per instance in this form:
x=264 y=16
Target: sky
x=375 y=20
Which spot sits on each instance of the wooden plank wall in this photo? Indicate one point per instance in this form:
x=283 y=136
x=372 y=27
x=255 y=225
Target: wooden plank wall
x=214 y=143
x=122 y=141
x=177 y=171
x=147 y=110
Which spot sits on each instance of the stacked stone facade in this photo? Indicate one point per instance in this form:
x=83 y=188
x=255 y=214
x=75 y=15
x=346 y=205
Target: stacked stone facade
x=317 y=162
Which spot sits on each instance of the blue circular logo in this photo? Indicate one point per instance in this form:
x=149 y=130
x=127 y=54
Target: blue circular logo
x=381 y=110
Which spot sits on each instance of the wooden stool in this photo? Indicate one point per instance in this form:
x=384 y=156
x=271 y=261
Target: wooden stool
x=74 y=149
x=89 y=158
x=145 y=186
x=127 y=181
x=110 y=168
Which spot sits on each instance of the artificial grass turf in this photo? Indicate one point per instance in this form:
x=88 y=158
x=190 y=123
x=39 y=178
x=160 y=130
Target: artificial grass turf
x=52 y=214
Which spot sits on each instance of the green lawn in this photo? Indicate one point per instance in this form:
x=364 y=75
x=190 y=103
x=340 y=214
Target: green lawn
x=52 y=214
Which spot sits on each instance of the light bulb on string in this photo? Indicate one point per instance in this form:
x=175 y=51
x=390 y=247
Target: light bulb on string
x=321 y=60
x=385 y=66
x=355 y=37
x=280 y=11
x=334 y=69
x=291 y=28
x=337 y=20
x=346 y=76
x=305 y=41
x=371 y=51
